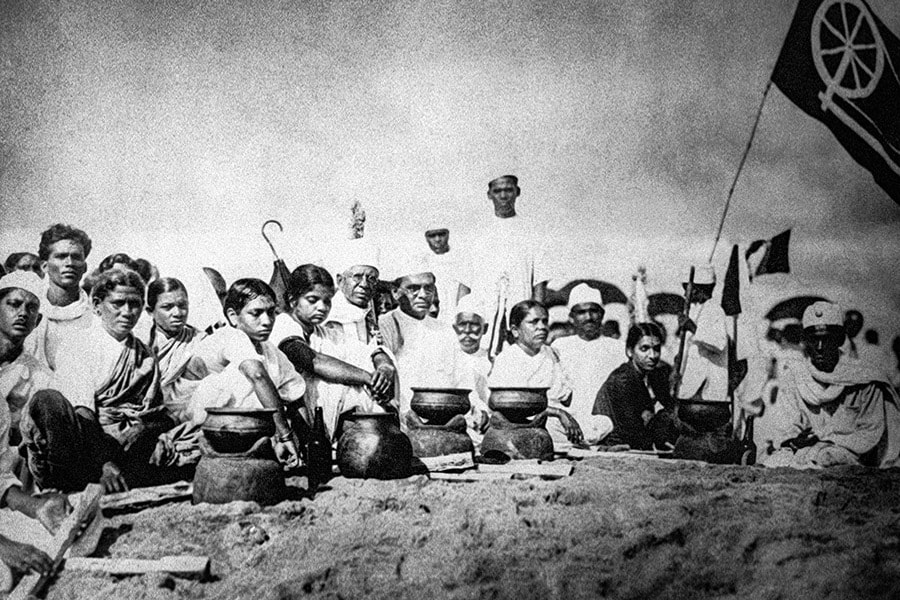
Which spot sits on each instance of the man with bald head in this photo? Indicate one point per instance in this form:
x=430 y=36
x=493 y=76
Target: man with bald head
x=831 y=409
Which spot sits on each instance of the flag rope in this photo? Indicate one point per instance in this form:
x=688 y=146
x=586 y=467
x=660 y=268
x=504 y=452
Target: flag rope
x=740 y=167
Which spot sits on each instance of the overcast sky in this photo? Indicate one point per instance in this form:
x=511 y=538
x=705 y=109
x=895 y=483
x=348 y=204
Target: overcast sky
x=172 y=130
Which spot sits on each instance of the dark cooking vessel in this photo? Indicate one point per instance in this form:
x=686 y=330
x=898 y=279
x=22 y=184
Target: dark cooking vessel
x=372 y=446
x=518 y=403
x=439 y=405
x=704 y=415
x=235 y=430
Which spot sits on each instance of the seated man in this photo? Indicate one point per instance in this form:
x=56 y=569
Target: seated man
x=65 y=306
x=833 y=410
x=470 y=326
x=102 y=419
x=20 y=294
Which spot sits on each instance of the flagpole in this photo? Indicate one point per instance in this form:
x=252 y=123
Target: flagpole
x=741 y=166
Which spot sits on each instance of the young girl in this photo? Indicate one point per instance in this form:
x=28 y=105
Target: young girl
x=331 y=383
x=529 y=362
x=632 y=390
x=173 y=341
x=246 y=369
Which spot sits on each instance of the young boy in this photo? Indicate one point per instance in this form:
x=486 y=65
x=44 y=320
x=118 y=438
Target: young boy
x=245 y=369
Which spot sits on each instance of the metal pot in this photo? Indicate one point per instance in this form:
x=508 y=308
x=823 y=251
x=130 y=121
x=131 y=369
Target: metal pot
x=235 y=430
x=439 y=405
x=373 y=447
x=704 y=415
x=517 y=404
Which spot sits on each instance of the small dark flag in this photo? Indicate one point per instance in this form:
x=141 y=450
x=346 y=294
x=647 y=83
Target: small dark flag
x=279 y=284
x=841 y=65
x=775 y=259
x=731 y=288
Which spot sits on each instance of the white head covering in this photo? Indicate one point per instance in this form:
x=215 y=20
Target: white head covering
x=24 y=280
x=351 y=253
x=407 y=263
x=436 y=225
x=470 y=304
x=703 y=275
x=584 y=294
x=823 y=313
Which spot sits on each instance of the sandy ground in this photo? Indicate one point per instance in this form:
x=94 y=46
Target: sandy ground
x=619 y=527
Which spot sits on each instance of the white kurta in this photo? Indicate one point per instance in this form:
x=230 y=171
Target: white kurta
x=84 y=363
x=19 y=380
x=59 y=322
x=450 y=271
x=587 y=364
x=699 y=368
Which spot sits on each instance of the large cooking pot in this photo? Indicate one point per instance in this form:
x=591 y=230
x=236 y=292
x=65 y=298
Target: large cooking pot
x=235 y=430
x=704 y=415
x=517 y=404
x=439 y=405
x=373 y=447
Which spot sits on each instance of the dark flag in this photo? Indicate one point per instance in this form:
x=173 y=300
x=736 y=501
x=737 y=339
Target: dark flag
x=775 y=259
x=731 y=288
x=279 y=284
x=841 y=65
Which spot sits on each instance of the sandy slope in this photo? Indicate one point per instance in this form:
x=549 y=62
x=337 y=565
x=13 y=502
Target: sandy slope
x=617 y=528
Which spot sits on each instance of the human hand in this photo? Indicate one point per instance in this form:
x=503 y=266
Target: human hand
x=132 y=434
x=24 y=558
x=646 y=416
x=382 y=382
x=112 y=479
x=286 y=451
x=572 y=428
x=52 y=511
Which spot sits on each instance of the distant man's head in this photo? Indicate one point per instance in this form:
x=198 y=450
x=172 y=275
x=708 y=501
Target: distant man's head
x=63 y=252
x=416 y=293
x=24 y=261
x=704 y=283
x=438 y=240
x=358 y=284
x=20 y=293
x=853 y=323
x=823 y=335
x=586 y=311
x=503 y=192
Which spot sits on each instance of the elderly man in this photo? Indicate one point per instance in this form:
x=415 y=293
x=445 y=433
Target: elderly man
x=20 y=376
x=588 y=357
x=833 y=410
x=506 y=252
x=448 y=269
x=704 y=367
x=473 y=364
x=67 y=309
x=426 y=349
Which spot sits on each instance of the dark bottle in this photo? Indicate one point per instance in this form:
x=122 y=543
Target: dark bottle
x=748 y=456
x=318 y=452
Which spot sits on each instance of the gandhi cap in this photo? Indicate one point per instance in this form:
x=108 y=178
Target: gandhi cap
x=584 y=294
x=470 y=304
x=823 y=313
x=24 y=280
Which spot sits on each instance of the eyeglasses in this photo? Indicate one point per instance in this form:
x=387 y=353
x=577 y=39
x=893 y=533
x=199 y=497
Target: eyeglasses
x=369 y=278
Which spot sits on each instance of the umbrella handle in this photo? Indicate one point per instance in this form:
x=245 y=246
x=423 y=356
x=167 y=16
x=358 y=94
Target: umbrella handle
x=265 y=237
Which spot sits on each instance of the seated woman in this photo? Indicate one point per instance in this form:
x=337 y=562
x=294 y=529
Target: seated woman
x=173 y=341
x=246 y=369
x=102 y=419
x=529 y=362
x=631 y=391
x=331 y=383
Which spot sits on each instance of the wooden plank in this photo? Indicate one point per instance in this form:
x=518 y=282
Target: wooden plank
x=86 y=509
x=149 y=496
x=181 y=566
x=449 y=462
x=470 y=476
x=530 y=467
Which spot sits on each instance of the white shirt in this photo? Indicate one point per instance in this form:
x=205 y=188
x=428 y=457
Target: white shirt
x=587 y=365
x=697 y=367
x=84 y=363
x=59 y=322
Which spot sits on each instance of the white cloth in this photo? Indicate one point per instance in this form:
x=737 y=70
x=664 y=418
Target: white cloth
x=450 y=272
x=222 y=353
x=587 y=364
x=58 y=323
x=84 y=362
x=334 y=398
x=700 y=366
x=476 y=368
x=426 y=352
x=19 y=380
x=513 y=367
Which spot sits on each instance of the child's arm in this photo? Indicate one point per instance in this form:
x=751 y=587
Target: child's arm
x=573 y=429
x=265 y=390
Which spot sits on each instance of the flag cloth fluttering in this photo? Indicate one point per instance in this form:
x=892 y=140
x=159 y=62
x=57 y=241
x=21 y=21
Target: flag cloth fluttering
x=775 y=258
x=841 y=65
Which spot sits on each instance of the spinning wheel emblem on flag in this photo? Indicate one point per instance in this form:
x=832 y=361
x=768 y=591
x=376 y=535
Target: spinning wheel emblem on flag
x=847 y=48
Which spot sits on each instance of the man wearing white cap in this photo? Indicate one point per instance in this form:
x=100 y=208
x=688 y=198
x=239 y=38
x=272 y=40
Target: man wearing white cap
x=588 y=357
x=425 y=348
x=474 y=364
x=832 y=409
x=20 y=376
x=704 y=367
x=448 y=270
x=66 y=307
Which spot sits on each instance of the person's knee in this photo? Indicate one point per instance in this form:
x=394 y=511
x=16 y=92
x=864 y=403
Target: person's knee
x=47 y=402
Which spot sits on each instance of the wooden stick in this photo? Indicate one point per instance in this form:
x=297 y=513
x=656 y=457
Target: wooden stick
x=530 y=467
x=147 y=496
x=87 y=509
x=181 y=566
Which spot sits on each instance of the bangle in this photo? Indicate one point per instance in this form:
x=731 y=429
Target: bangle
x=283 y=438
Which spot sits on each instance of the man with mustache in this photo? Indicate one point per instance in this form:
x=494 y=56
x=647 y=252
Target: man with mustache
x=66 y=308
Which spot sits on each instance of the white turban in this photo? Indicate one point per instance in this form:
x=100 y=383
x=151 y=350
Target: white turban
x=584 y=294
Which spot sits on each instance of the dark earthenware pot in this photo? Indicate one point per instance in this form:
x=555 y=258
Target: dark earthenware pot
x=439 y=405
x=373 y=447
x=518 y=404
x=235 y=430
x=220 y=480
x=704 y=415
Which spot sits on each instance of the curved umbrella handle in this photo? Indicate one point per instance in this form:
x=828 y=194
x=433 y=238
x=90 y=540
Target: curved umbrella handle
x=265 y=237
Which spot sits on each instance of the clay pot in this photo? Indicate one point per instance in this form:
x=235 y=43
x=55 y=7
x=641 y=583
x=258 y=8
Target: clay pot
x=235 y=430
x=220 y=480
x=439 y=405
x=373 y=447
x=518 y=404
x=704 y=415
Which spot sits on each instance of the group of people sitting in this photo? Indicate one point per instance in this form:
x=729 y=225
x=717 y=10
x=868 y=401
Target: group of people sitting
x=88 y=396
